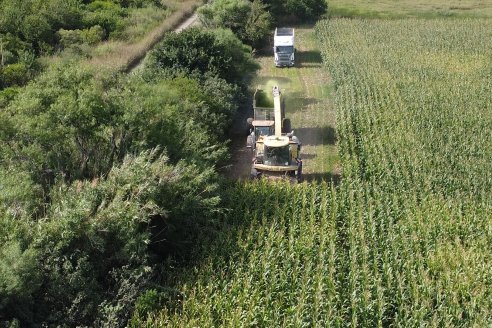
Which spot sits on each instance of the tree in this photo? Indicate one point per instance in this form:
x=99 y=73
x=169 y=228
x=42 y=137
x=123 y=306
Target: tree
x=203 y=52
x=250 y=21
x=306 y=9
x=86 y=262
x=61 y=125
x=258 y=24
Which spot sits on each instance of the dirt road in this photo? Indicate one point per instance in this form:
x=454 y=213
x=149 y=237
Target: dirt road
x=308 y=94
x=190 y=21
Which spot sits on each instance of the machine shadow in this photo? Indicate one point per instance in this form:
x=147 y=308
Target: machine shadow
x=296 y=101
x=329 y=177
x=325 y=135
x=309 y=58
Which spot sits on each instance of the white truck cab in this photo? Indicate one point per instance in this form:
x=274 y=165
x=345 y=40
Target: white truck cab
x=283 y=46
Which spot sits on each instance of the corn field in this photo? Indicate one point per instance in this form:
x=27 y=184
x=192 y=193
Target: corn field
x=406 y=239
x=414 y=106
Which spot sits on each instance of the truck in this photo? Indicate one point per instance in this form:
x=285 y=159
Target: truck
x=283 y=47
x=276 y=150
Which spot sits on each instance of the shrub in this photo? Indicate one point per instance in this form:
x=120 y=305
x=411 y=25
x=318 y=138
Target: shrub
x=93 y=34
x=105 y=14
x=7 y=95
x=14 y=74
x=306 y=9
x=192 y=50
x=69 y=38
x=250 y=21
x=37 y=30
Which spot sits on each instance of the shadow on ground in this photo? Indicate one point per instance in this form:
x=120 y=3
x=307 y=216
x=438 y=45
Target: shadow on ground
x=309 y=58
x=270 y=81
x=308 y=156
x=297 y=101
x=325 y=135
x=327 y=177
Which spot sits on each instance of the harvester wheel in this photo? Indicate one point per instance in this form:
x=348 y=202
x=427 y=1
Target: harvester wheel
x=255 y=174
x=286 y=126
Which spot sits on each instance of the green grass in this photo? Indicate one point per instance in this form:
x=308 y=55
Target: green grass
x=395 y=9
x=141 y=20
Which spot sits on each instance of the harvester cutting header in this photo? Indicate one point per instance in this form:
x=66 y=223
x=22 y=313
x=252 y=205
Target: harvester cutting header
x=276 y=151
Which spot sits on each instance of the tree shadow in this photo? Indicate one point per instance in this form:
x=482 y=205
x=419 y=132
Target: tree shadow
x=313 y=136
x=313 y=57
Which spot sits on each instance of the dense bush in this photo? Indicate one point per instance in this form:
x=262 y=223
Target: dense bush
x=91 y=36
x=70 y=125
x=218 y=53
x=14 y=74
x=250 y=21
x=87 y=260
x=84 y=231
x=78 y=223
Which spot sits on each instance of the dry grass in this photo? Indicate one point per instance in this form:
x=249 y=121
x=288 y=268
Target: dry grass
x=120 y=56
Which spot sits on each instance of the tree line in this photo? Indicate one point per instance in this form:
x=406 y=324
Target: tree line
x=101 y=173
x=252 y=21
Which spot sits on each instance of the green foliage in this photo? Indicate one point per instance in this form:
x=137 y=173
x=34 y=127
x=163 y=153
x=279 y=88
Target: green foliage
x=35 y=29
x=105 y=14
x=69 y=125
x=148 y=302
x=257 y=27
x=14 y=75
x=19 y=278
x=301 y=9
x=90 y=36
x=306 y=9
x=85 y=223
x=93 y=35
x=196 y=51
x=215 y=101
x=250 y=21
x=63 y=125
x=225 y=13
x=89 y=258
x=69 y=38
x=40 y=27
x=20 y=196
x=7 y=95
x=240 y=55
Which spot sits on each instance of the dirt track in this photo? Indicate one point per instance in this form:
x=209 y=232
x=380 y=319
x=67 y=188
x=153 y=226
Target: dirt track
x=308 y=95
x=190 y=21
